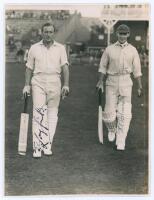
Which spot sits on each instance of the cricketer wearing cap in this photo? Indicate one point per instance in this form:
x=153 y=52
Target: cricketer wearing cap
x=118 y=61
x=46 y=60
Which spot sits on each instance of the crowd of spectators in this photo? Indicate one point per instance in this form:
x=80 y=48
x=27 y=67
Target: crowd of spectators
x=42 y=15
x=35 y=35
x=19 y=43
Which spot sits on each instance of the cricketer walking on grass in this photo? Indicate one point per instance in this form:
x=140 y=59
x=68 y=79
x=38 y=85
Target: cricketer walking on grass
x=118 y=61
x=46 y=60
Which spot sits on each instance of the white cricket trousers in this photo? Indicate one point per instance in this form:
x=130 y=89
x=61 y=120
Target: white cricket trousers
x=46 y=91
x=117 y=112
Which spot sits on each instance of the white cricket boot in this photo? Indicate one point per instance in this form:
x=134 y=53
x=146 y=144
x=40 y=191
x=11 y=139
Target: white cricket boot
x=47 y=152
x=111 y=136
x=120 y=141
x=37 y=153
x=121 y=147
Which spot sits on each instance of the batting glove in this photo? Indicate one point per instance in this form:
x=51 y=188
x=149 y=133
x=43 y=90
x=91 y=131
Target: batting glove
x=64 y=91
x=100 y=85
x=26 y=91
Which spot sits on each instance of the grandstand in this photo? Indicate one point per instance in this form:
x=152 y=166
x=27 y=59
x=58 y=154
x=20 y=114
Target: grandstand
x=23 y=21
x=25 y=25
x=22 y=24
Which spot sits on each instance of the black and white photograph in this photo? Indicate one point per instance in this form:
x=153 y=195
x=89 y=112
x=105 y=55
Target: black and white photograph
x=77 y=99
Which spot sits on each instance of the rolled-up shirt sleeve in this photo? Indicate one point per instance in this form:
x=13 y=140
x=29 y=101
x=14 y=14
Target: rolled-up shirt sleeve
x=104 y=62
x=136 y=65
x=30 y=60
x=63 y=57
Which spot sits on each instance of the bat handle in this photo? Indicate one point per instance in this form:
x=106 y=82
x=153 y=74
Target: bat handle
x=100 y=97
x=25 y=104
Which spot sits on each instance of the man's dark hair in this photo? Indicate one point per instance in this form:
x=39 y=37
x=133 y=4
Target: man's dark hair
x=47 y=24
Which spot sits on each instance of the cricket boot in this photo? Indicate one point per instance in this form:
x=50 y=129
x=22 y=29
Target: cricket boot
x=37 y=153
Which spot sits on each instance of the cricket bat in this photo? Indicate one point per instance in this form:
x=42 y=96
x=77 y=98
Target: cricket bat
x=100 y=120
x=23 y=132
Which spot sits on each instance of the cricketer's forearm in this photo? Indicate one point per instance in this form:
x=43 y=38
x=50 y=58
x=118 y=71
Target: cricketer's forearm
x=28 y=76
x=65 y=70
x=101 y=77
x=100 y=83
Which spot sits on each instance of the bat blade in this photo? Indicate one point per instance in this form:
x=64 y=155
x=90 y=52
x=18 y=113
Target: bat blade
x=100 y=125
x=100 y=119
x=23 y=133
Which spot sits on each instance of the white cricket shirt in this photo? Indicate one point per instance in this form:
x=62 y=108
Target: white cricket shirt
x=47 y=60
x=118 y=61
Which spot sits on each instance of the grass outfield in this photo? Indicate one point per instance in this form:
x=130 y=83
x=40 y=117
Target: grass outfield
x=79 y=165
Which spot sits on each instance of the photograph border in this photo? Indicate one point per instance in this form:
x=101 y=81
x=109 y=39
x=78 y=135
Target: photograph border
x=151 y=108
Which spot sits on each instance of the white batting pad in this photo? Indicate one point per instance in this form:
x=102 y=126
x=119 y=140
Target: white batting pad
x=40 y=128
